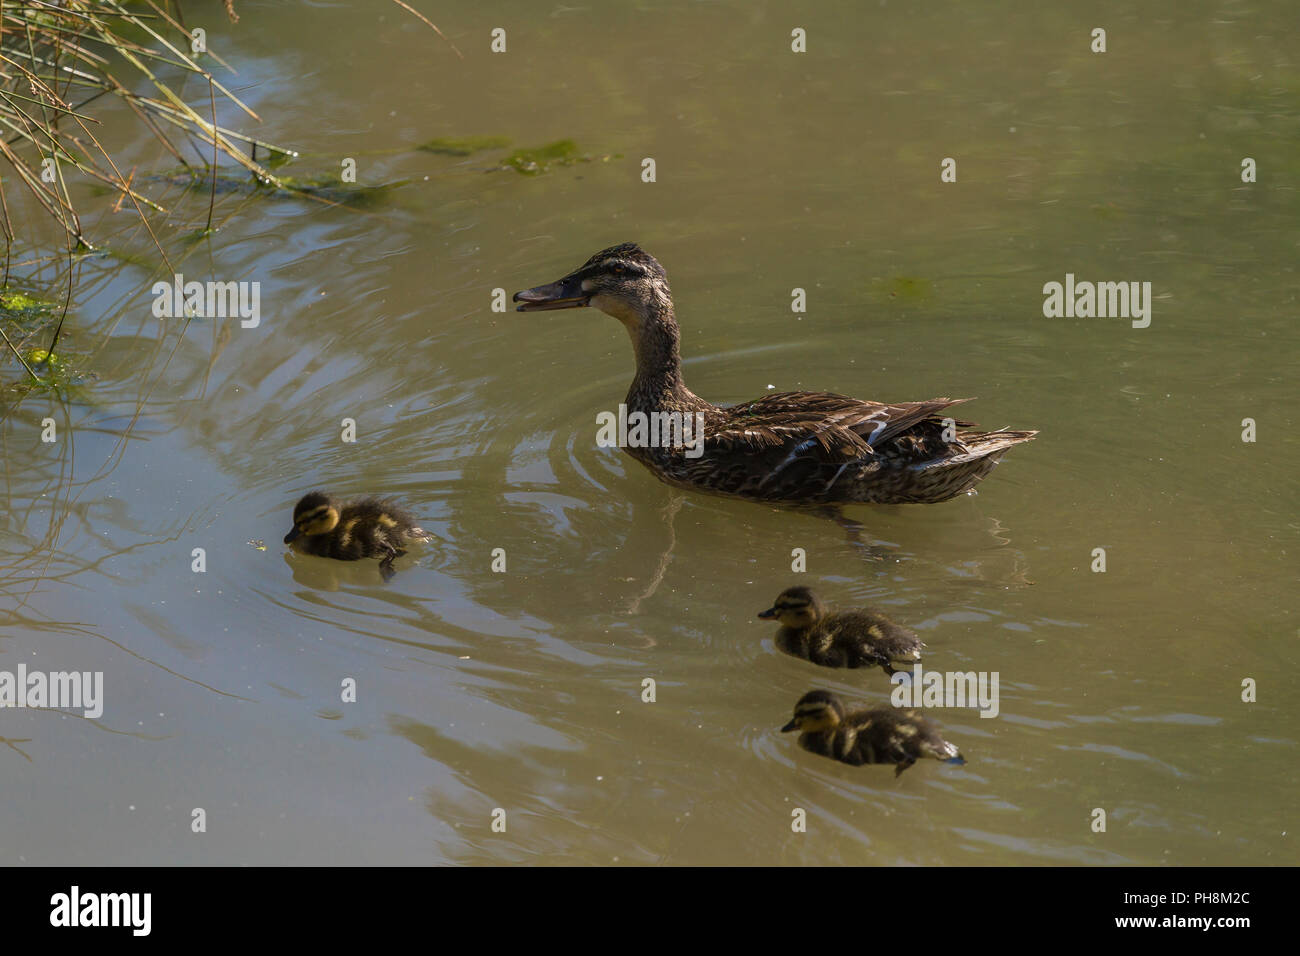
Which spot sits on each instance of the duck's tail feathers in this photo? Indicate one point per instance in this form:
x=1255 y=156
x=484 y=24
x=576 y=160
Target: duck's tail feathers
x=948 y=476
x=983 y=444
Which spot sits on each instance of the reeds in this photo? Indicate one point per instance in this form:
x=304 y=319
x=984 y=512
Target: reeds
x=58 y=58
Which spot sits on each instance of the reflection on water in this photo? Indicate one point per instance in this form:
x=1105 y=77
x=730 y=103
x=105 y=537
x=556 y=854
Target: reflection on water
x=522 y=690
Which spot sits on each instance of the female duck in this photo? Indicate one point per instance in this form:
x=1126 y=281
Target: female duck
x=883 y=735
x=350 y=530
x=840 y=639
x=793 y=446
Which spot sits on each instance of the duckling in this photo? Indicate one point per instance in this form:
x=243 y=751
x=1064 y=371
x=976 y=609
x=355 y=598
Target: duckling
x=792 y=447
x=882 y=735
x=863 y=638
x=349 y=530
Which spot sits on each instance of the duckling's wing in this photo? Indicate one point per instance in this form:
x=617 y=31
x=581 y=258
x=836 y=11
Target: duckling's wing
x=878 y=736
x=897 y=737
x=871 y=639
x=897 y=641
x=919 y=737
x=386 y=513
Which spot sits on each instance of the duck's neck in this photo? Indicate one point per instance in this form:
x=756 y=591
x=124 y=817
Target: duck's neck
x=658 y=384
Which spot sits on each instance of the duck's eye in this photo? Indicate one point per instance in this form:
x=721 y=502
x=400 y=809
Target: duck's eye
x=619 y=270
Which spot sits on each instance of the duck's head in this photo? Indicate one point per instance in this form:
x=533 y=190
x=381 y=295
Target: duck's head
x=316 y=513
x=795 y=607
x=817 y=710
x=624 y=281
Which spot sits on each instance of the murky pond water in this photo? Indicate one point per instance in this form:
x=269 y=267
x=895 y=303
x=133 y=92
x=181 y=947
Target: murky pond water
x=522 y=690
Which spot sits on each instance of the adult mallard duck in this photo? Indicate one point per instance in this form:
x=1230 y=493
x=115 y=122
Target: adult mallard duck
x=812 y=447
x=350 y=530
x=883 y=735
x=858 y=638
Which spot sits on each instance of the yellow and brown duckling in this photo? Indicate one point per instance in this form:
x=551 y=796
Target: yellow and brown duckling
x=859 y=638
x=882 y=735
x=814 y=447
x=350 y=530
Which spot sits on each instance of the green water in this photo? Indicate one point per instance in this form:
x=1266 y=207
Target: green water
x=522 y=690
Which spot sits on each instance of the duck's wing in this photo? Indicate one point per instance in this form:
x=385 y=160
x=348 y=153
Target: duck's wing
x=774 y=455
x=818 y=446
x=798 y=445
x=835 y=428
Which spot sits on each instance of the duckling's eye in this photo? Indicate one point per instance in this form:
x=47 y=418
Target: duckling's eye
x=619 y=270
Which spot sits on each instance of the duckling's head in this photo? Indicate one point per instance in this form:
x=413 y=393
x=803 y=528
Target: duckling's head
x=624 y=281
x=817 y=710
x=795 y=607
x=316 y=513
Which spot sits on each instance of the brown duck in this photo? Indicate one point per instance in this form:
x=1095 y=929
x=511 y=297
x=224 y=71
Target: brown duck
x=857 y=638
x=883 y=735
x=351 y=530
x=812 y=447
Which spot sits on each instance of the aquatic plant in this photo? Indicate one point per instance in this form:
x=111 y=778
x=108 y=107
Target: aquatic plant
x=58 y=60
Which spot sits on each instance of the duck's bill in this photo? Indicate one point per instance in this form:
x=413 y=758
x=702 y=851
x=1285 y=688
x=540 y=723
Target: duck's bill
x=768 y=614
x=793 y=725
x=565 y=294
x=289 y=538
